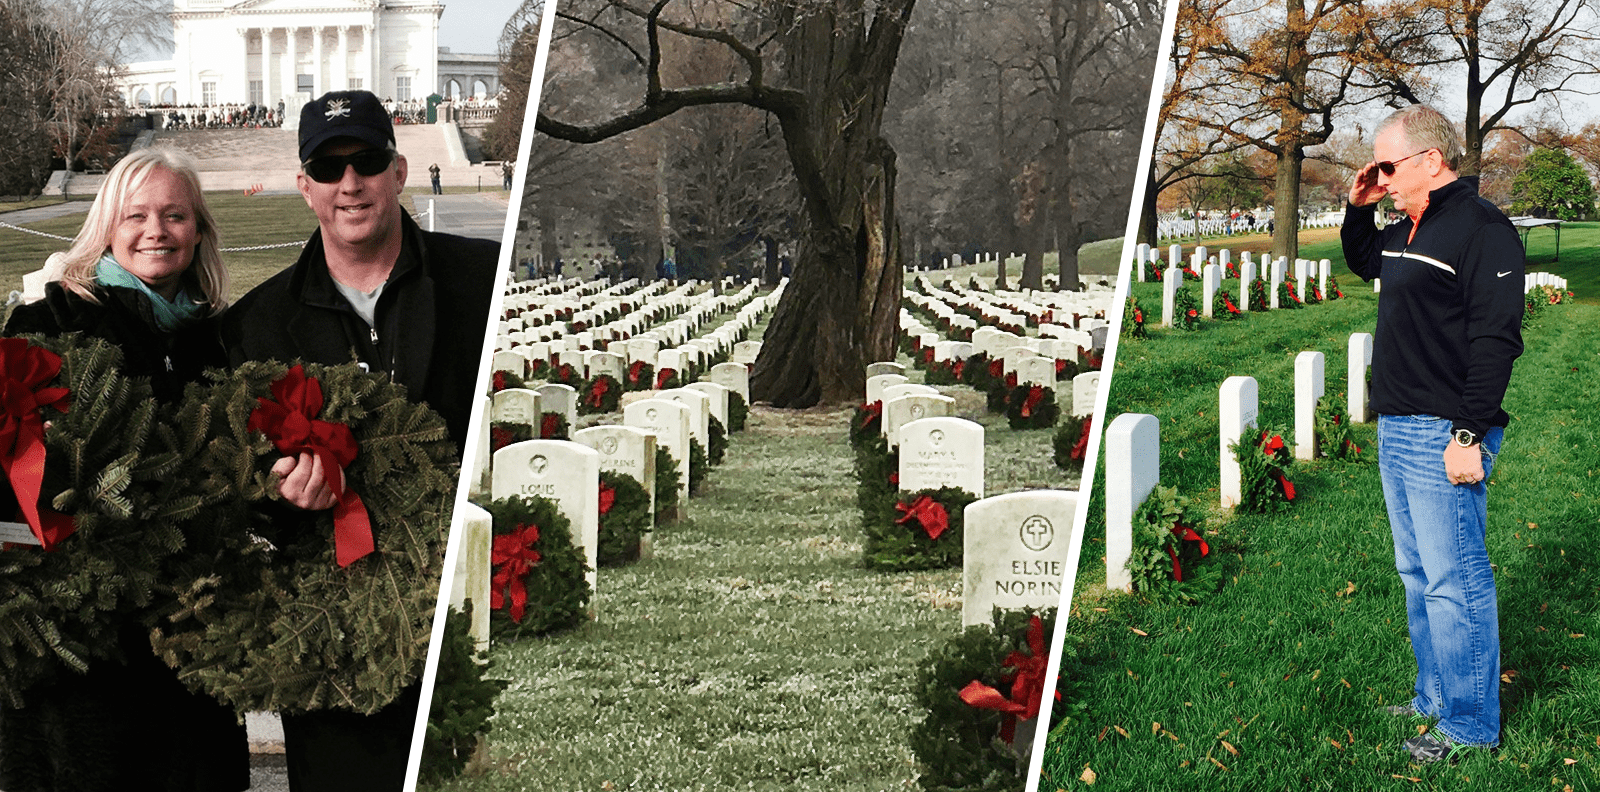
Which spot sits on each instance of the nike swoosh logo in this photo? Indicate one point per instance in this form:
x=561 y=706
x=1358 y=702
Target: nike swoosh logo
x=1502 y=274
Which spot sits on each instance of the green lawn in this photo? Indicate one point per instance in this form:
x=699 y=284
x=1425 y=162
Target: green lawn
x=1288 y=662
x=754 y=651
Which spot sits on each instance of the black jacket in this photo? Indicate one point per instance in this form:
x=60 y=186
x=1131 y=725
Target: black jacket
x=431 y=319
x=1450 y=313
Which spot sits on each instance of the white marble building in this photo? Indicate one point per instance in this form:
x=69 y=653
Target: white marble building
x=267 y=51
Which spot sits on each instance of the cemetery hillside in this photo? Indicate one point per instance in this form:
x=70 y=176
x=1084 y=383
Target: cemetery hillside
x=1237 y=622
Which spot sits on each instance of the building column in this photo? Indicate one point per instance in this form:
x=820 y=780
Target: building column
x=266 y=65
x=292 y=85
x=374 y=61
x=340 y=78
x=318 y=87
x=244 y=67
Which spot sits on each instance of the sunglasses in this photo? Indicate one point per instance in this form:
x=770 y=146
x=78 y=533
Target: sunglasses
x=1388 y=167
x=329 y=169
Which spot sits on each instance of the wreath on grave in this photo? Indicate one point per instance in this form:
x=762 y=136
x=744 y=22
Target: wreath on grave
x=1133 y=316
x=975 y=372
x=538 y=584
x=1223 y=306
x=1032 y=406
x=975 y=688
x=553 y=426
x=1287 y=298
x=602 y=394
x=719 y=442
x=738 y=412
x=667 y=379
x=1313 y=294
x=502 y=379
x=1258 y=295
x=866 y=423
x=1185 y=310
x=104 y=504
x=504 y=433
x=1333 y=289
x=1067 y=369
x=941 y=372
x=1167 y=558
x=1335 y=435
x=640 y=375
x=999 y=386
x=1232 y=270
x=1264 y=485
x=697 y=465
x=624 y=518
x=536 y=369
x=565 y=374
x=667 y=482
x=463 y=702
x=292 y=611
x=922 y=531
x=1070 y=444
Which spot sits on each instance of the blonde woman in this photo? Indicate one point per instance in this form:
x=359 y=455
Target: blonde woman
x=145 y=274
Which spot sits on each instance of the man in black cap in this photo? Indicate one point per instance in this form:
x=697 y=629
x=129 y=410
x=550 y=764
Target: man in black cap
x=406 y=302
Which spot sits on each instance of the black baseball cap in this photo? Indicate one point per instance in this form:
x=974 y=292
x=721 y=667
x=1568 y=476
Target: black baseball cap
x=352 y=114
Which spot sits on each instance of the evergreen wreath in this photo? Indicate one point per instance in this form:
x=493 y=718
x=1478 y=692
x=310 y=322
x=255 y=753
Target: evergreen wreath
x=697 y=465
x=1223 y=307
x=533 y=549
x=1335 y=436
x=877 y=478
x=1313 y=294
x=910 y=536
x=999 y=386
x=719 y=442
x=667 y=482
x=601 y=394
x=1032 y=406
x=738 y=412
x=1071 y=442
x=553 y=426
x=113 y=469
x=267 y=619
x=463 y=702
x=1258 y=295
x=941 y=372
x=502 y=379
x=565 y=374
x=640 y=375
x=1264 y=485
x=975 y=372
x=667 y=379
x=1185 y=310
x=1287 y=298
x=866 y=423
x=624 y=518
x=961 y=747
x=504 y=433
x=1167 y=559
x=1133 y=318
x=1333 y=289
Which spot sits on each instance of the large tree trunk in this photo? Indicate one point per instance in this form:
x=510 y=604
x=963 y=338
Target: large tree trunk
x=549 y=244
x=1149 y=232
x=841 y=307
x=1286 y=204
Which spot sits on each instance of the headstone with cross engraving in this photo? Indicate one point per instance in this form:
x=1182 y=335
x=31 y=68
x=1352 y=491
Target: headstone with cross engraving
x=1015 y=552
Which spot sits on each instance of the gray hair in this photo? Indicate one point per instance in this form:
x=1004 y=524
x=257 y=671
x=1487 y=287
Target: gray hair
x=1426 y=128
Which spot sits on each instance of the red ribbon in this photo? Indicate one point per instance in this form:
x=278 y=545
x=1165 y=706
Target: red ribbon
x=1091 y=360
x=549 y=425
x=24 y=369
x=1082 y=446
x=927 y=355
x=499 y=381
x=513 y=556
x=928 y=513
x=1061 y=365
x=289 y=420
x=1035 y=395
x=1186 y=534
x=608 y=498
x=500 y=437
x=957 y=367
x=633 y=371
x=1011 y=379
x=536 y=366
x=997 y=368
x=871 y=412
x=1027 y=685
x=597 y=392
x=662 y=376
x=1288 y=487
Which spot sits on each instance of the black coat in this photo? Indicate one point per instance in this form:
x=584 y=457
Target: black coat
x=128 y=725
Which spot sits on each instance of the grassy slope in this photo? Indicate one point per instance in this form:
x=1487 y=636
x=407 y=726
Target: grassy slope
x=1289 y=660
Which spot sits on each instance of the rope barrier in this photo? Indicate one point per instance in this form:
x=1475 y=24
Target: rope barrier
x=245 y=249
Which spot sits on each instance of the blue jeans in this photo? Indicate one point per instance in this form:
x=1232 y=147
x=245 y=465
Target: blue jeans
x=1439 y=550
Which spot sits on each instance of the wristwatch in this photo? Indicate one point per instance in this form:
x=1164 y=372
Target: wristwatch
x=1465 y=438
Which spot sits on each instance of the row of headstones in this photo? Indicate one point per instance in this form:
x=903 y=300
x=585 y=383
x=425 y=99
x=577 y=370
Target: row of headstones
x=1212 y=274
x=1133 y=443
x=539 y=302
x=1009 y=307
x=1080 y=331
x=687 y=313
x=1534 y=280
x=1061 y=343
x=568 y=472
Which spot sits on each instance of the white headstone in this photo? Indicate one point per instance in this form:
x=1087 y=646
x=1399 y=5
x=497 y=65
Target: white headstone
x=1210 y=279
x=1085 y=389
x=903 y=409
x=560 y=399
x=474 y=540
x=1238 y=406
x=565 y=472
x=1308 y=388
x=511 y=362
x=516 y=405
x=1247 y=275
x=1014 y=552
x=875 y=385
x=734 y=377
x=719 y=400
x=628 y=451
x=885 y=367
x=1133 y=469
x=1360 y=358
x=669 y=422
x=699 y=406
x=941 y=452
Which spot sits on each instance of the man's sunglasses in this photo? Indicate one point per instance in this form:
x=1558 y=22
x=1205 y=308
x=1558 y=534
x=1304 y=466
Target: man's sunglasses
x=1386 y=167
x=367 y=162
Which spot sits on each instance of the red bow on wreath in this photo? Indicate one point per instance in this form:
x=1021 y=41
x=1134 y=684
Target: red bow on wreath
x=928 y=513
x=870 y=412
x=289 y=420
x=927 y=355
x=549 y=425
x=597 y=392
x=957 y=367
x=499 y=381
x=997 y=368
x=1027 y=685
x=24 y=369
x=608 y=498
x=513 y=557
x=1271 y=449
x=1185 y=534
x=1035 y=395
x=500 y=437
x=662 y=376
x=1082 y=446
x=1061 y=365
x=633 y=371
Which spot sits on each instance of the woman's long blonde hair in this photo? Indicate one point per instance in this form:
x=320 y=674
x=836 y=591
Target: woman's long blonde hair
x=124 y=180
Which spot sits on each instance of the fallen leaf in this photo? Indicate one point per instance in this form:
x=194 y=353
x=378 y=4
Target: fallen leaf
x=1102 y=610
x=1155 y=728
x=1315 y=674
x=1346 y=682
x=1102 y=737
x=1406 y=778
x=1184 y=763
x=1120 y=730
x=1569 y=761
x=1422 y=728
x=1227 y=746
x=1218 y=764
x=1139 y=632
x=1349 y=588
x=1336 y=744
x=1533 y=525
x=1544 y=606
x=1575 y=635
x=1088 y=776
x=1507 y=676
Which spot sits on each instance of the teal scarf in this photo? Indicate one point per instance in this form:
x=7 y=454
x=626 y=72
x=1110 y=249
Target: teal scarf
x=169 y=314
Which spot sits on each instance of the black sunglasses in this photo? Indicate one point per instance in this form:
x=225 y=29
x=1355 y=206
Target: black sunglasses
x=367 y=162
x=1386 y=167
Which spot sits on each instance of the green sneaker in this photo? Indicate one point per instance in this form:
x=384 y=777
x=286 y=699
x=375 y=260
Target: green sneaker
x=1434 y=746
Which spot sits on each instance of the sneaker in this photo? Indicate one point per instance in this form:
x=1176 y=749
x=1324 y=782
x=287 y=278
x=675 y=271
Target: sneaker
x=1406 y=710
x=1433 y=747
